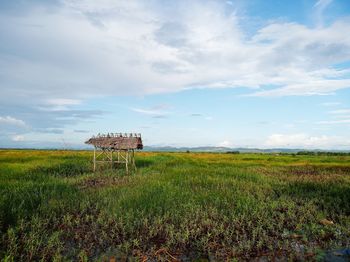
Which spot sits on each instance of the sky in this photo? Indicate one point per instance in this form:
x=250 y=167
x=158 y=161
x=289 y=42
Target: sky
x=257 y=73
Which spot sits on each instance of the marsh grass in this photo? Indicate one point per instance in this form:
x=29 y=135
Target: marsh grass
x=177 y=205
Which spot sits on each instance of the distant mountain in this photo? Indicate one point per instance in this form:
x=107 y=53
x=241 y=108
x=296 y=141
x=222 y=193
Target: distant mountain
x=214 y=149
x=227 y=149
x=184 y=149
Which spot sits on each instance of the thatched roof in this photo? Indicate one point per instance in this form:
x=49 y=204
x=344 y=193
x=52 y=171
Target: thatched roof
x=117 y=141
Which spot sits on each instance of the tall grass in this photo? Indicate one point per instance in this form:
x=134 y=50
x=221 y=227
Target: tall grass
x=177 y=205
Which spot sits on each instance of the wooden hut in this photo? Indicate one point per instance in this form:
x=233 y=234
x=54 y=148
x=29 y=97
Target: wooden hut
x=116 y=149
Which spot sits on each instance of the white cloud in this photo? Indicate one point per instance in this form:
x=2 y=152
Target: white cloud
x=17 y=138
x=59 y=104
x=340 y=111
x=146 y=111
x=313 y=87
x=157 y=111
x=331 y=122
x=8 y=120
x=85 y=49
x=306 y=141
x=320 y=7
x=63 y=102
x=225 y=143
x=339 y=116
x=54 y=59
x=322 y=3
x=330 y=104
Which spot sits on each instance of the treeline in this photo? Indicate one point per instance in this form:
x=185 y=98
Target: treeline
x=322 y=153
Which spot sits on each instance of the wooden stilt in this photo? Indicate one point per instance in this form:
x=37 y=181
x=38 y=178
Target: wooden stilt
x=112 y=159
x=94 y=159
x=133 y=160
x=126 y=160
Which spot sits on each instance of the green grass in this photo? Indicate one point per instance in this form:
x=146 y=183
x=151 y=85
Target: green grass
x=177 y=205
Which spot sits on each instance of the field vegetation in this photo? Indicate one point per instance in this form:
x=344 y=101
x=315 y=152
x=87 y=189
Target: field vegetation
x=177 y=206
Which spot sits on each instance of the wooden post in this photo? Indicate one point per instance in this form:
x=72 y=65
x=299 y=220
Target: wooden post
x=133 y=159
x=94 y=158
x=130 y=160
x=126 y=160
x=112 y=158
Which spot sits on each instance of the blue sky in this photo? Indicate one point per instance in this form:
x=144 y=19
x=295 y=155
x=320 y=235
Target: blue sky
x=240 y=73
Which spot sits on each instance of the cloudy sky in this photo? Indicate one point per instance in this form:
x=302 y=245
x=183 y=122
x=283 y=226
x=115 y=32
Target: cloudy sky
x=257 y=73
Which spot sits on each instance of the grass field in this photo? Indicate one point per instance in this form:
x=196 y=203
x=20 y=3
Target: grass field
x=177 y=206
